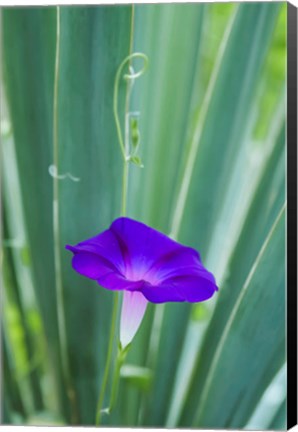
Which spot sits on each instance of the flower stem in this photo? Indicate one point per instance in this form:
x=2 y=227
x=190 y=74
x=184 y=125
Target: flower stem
x=124 y=187
x=108 y=360
x=115 y=384
x=130 y=77
x=56 y=237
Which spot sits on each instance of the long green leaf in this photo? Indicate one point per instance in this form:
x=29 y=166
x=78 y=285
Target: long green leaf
x=269 y=405
x=219 y=93
x=222 y=130
x=28 y=52
x=279 y=421
x=232 y=181
x=85 y=125
x=13 y=402
x=164 y=98
x=90 y=53
x=258 y=346
x=263 y=211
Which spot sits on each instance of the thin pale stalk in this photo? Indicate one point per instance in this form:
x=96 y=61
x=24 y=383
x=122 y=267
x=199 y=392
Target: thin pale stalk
x=108 y=360
x=124 y=147
x=115 y=383
x=56 y=234
x=124 y=188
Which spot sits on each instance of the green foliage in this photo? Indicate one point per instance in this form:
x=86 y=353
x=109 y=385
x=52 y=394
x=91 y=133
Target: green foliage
x=208 y=124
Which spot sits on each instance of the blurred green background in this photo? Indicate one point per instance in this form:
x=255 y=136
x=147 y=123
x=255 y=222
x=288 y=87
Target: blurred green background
x=212 y=126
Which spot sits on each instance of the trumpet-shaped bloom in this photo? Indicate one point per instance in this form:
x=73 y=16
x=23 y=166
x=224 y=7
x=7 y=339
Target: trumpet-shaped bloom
x=145 y=264
x=133 y=257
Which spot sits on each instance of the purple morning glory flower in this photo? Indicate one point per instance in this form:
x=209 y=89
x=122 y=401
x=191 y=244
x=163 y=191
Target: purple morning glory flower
x=134 y=257
x=144 y=263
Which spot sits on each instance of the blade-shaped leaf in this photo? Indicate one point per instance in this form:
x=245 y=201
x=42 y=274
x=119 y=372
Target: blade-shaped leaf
x=86 y=126
x=279 y=421
x=217 y=139
x=262 y=213
x=90 y=53
x=28 y=53
x=258 y=345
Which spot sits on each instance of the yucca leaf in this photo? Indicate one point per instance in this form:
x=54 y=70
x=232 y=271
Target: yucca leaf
x=269 y=405
x=12 y=399
x=18 y=271
x=279 y=420
x=163 y=97
x=90 y=53
x=29 y=38
x=235 y=85
x=244 y=80
x=258 y=347
x=29 y=44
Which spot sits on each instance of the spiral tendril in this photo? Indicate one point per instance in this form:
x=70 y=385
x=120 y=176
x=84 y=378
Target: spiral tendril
x=131 y=76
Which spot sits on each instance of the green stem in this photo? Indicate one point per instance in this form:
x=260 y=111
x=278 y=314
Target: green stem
x=124 y=147
x=56 y=237
x=130 y=77
x=108 y=360
x=115 y=383
x=124 y=188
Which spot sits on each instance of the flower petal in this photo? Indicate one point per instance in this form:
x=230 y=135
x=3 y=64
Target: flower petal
x=142 y=246
x=190 y=288
x=115 y=281
x=104 y=245
x=183 y=260
x=91 y=265
x=161 y=294
x=94 y=267
x=133 y=308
